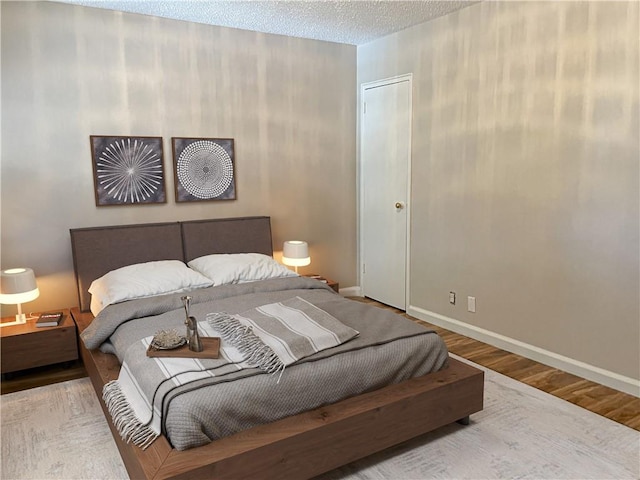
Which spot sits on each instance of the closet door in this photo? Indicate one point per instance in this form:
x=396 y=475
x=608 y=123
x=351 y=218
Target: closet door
x=385 y=169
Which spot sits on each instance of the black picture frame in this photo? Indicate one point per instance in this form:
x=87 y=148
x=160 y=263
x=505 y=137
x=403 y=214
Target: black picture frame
x=204 y=169
x=127 y=170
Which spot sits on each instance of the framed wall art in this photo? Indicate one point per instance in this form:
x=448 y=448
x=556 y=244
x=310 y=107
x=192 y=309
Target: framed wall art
x=128 y=170
x=204 y=169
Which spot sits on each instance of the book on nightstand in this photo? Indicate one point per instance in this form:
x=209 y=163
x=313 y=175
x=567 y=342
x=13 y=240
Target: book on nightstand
x=49 y=319
x=319 y=277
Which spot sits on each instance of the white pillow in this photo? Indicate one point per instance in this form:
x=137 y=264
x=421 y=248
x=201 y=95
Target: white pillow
x=144 y=280
x=228 y=268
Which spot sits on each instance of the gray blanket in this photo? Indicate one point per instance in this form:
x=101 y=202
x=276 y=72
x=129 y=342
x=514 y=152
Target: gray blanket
x=389 y=349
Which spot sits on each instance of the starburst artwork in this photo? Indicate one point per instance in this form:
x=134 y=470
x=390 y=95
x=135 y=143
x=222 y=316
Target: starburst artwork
x=204 y=169
x=128 y=170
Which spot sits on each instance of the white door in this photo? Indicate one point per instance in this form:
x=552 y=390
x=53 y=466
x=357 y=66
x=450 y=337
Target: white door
x=385 y=159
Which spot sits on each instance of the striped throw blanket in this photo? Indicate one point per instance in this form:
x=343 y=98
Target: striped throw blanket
x=270 y=338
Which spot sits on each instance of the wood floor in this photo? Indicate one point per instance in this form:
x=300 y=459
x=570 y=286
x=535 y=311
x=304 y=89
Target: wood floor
x=613 y=404
x=610 y=403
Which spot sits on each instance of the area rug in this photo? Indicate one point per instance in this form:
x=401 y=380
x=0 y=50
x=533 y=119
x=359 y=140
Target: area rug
x=59 y=432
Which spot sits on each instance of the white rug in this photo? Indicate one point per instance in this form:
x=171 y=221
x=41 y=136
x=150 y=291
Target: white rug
x=58 y=432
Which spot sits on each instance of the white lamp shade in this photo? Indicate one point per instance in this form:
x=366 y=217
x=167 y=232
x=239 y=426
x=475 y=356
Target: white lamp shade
x=18 y=285
x=296 y=253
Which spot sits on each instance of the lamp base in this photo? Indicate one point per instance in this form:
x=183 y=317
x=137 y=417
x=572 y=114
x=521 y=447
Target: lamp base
x=20 y=319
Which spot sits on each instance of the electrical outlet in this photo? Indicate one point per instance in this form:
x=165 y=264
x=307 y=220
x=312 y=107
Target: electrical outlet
x=452 y=298
x=471 y=304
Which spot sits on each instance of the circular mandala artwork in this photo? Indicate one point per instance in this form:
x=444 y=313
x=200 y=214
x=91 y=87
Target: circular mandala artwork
x=129 y=170
x=205 y=169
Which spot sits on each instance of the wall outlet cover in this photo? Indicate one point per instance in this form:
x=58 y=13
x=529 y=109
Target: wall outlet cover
x=471 y=304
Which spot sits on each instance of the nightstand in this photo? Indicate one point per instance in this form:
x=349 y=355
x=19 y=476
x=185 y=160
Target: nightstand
x=333 y=284
x=27 y=346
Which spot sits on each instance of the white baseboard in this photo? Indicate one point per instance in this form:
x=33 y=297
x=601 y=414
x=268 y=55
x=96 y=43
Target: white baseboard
x=351 y=292
x=590 y=372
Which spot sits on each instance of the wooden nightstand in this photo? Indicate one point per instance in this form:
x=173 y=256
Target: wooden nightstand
x=27 y=346
x=333 y=284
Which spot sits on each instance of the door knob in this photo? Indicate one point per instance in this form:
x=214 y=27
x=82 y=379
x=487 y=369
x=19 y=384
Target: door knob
x=399 y=205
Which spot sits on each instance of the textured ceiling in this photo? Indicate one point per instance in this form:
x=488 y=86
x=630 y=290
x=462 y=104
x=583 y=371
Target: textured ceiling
x=354 y=22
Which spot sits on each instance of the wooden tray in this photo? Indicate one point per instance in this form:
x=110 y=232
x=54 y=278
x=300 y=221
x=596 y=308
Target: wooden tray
x=211 y=350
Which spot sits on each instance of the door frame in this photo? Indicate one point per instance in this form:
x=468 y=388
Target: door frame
x=364 y=86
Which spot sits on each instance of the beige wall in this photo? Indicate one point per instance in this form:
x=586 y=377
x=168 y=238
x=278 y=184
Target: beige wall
x=525 y=152
x=525 y=169
x=69 y=72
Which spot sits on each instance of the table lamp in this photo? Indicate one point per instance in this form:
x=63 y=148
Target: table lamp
x=18 y=286
x=295 y=253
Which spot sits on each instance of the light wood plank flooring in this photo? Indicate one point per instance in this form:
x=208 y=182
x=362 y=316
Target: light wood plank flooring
x=615 y=405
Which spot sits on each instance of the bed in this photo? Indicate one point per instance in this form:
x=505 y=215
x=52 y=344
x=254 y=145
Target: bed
x=301 y=445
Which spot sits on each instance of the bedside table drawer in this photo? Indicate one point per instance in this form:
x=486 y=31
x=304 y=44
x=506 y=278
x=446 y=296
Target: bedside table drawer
x=27 y=346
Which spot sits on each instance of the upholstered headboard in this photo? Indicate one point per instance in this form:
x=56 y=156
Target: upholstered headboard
x=98 y=250
x=226 y=235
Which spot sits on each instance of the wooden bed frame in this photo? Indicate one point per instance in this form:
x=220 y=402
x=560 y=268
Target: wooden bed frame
x=301 y=446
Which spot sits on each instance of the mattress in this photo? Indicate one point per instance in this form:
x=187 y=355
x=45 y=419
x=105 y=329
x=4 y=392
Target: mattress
x=389 y=349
